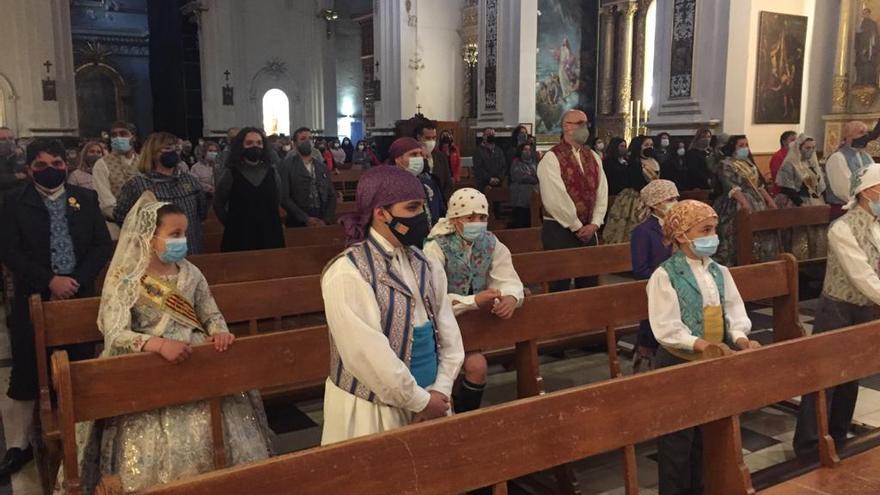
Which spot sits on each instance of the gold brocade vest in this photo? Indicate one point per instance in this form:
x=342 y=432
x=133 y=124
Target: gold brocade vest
x=837 y=285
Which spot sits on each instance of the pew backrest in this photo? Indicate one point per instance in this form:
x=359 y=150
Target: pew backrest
x=535 y=434
x=748 y=224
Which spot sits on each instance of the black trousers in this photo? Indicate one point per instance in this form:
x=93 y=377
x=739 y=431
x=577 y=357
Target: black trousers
x=679 y=454
x=522 y=217
x=841 y=399
x=23 y=375
x=555 y=236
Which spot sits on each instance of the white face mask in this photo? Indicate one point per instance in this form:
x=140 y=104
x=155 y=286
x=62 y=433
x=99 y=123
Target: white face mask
x=429 y=146
x=681 y=151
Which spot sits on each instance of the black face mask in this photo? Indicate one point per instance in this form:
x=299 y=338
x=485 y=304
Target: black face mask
x=253 y=154
x=490 y=138
x=304 y=148
x=861 y=142
x=169 y=159
x=50 y=178
x=648 y=153
x=416 y=228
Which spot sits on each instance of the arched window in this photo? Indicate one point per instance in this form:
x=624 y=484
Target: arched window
x=2 y=108
x=276 y=112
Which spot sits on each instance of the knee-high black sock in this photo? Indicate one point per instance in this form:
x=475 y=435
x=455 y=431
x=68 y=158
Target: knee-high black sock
x=469 y=396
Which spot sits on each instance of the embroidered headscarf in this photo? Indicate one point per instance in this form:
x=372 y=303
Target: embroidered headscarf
x=684 y=215
x=658 y=191
x=378 y=187
x=464 y=202
x=862 y=179
x=401 y=146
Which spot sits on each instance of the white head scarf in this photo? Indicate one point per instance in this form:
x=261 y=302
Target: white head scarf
x=130 y=261
x=862 y=179
x=464 y=202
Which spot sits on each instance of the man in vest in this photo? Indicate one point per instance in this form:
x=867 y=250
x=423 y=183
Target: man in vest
x=395 y=347
x=574 y=193
x=849 y=295
x=841 y=164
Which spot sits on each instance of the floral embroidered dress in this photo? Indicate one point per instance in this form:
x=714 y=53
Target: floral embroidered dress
x=170 y=443
x=741 y=176
x=627 y=211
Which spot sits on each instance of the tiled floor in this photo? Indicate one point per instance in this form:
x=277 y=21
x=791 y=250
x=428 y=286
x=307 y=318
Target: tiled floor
x=767 y=433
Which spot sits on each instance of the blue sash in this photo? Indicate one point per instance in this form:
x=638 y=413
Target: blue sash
x=423 y=364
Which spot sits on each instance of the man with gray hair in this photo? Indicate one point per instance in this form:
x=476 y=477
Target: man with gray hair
x=849 y=158
x=574 y=193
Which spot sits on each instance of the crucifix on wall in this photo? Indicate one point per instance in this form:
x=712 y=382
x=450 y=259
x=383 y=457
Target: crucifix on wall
x=49 y=90
x=228 y=91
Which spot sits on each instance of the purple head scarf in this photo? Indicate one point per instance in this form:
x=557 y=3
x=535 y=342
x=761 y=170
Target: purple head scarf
x=401 y=146
x=377 y=187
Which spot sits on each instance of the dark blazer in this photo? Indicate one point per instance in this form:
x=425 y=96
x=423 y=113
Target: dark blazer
x=442 y=173
x=295 y=181
x=489 y=163
x=24 y=240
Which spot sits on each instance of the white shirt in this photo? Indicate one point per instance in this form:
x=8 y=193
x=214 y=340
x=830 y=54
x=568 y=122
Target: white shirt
x=664 y=313
x=101 y=180
x=839 y=173
x=558 y=204
x=355 y=325
x=853 y=260
x=502 y=275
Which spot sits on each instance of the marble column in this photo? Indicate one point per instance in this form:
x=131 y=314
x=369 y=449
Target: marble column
x=606 y=68
x=840 y=84
x=624 y=60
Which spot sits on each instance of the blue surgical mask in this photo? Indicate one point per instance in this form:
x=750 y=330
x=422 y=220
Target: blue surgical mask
x=175 y=250
x=875 y=207
x=120 y=144
x=742 y=153
x=705 y=246
x=416 y=165
x=472 y=231
x=211 y=156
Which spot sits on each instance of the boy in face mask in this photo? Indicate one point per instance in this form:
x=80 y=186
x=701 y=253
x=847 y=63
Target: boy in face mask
x=389 y=367
x=849 y=295
x=480 y=276
x=54 y=242
x=693 y=304
x=111 y=172
x=408 y=154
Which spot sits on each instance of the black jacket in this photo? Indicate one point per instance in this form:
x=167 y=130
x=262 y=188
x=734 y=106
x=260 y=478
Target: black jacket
x=295 y=184
x=24 y=239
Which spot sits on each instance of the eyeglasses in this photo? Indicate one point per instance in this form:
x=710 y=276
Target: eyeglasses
x=41 y=165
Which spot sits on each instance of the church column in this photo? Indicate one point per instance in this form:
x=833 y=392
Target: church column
x=624 y=67
x=606 y=75
x=840 y=84
x=388 y=21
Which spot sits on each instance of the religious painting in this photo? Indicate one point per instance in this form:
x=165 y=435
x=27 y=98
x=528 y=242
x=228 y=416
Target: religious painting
x=566 y=67
x=778 y=85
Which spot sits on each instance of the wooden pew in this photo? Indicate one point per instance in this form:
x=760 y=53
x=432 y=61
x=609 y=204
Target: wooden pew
x=747 y=224
x=501 y=196
x=518 y=240
x=525 y=436
x=596 y=310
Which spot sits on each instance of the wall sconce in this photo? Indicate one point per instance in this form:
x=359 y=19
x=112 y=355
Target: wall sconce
x=469 y=54
x=329 y=16
x=228 y=91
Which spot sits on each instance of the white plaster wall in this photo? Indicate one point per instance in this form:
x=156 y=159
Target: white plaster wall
x=440 y=89
x=33 y=32
x=741 y=70
x=242 y=37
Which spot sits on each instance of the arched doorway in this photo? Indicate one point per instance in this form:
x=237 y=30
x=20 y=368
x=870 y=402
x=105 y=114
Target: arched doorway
x=8 y=100
x=101 y=98
x=276 y=112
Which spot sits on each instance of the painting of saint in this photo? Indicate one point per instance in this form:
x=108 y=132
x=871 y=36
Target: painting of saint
x=867 y=51
x=561 y=82
x=778 y=85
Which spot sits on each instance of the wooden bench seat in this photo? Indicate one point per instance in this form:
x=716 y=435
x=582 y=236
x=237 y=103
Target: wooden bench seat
x=748 y=224
x=858 y=475
x=549 y=316
x=449 y=455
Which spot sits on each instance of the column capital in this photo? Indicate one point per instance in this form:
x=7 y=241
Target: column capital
x=629 y=9
x=607 y=11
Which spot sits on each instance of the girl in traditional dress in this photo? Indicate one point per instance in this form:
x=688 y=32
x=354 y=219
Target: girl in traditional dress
x=743 y=188
x=802 y=183
x=479 y=273
x=395 y=347
x=693 y=303
x=156 y=301
x=648 y=251
x=628 y=210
